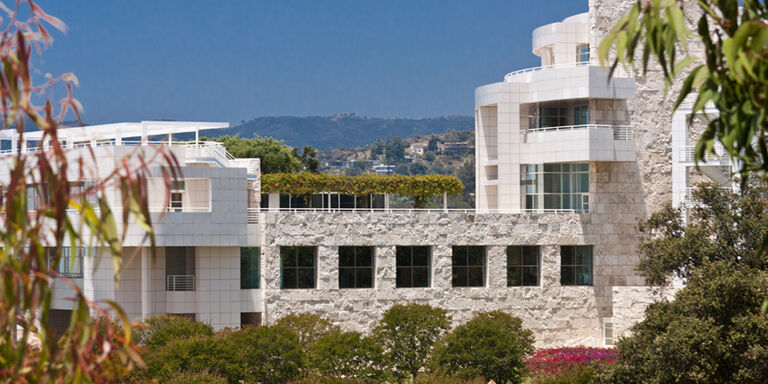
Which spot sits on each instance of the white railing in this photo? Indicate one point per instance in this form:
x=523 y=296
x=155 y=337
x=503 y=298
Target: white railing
x=179 y=210
x=688 y=155
x=688 y=198
x=208 y=150
x=421 y=210
x=253 y=215
x=180 y=283
x=251 y=165
x=620 y=72
x=620 y=132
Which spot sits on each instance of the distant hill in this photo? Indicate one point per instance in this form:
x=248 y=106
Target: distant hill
x=344 y=130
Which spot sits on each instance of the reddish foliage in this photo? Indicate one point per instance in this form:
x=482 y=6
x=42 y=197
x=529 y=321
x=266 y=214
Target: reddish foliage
x=554 y=360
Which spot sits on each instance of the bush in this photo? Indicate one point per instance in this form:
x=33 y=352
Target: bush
x=349 y=355
x=270 y=355
x=194 y=378
x=441 y=378
x=327 y=380
x=713 y=332
x=408 y=333
x=571 y=375
x=309 y=327
x=162 y=330
x=550 y=361
x=493 y=345
x=196 y=354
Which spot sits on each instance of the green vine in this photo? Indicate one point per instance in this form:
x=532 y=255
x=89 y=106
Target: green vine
x=419 y=187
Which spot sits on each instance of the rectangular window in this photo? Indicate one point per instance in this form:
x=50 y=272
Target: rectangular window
x=608 y=332
x=552 y=116
x=180 y=268
x=582 y=53
x=69 y=266
x=298 y=267
x=581 y=115
x=576 y=265
x=412 y=267
x=249 y=267
x=468 y=266
x=250 y=319
x=177 y=196
x=523 y=265
x=355 y=267
x=555 y=187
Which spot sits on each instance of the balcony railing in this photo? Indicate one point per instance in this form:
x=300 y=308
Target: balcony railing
x=421 y=210
x=180 y=283
x=620 y=72
x=179 y=209
x=253 y=215
x=620 y=132
x=688 y=155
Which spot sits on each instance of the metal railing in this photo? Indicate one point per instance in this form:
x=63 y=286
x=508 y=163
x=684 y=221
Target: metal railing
x=182 y=209
x=620 y=132
x=421 y=210
x=180 y=283
x=688 y=155
x=253 y=215
x=620 y=72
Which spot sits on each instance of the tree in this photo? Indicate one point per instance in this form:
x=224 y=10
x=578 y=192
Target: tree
x=492 y=345
x=724 y=226
x=349 y=355
x=377 y=148
x=712 y=332
x=161 y=330
x=34 y=233
x=271 y=355
x=308 y=327
x=407 y=333
x=732 y=75
x=418 y=169
x=432 y=145
x=309 y=160
x=275 y=156
x=214 y=354
x=395 y=149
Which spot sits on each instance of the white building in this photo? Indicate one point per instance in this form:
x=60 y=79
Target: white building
x=564 y=171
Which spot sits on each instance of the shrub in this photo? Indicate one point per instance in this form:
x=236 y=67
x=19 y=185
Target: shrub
x=309 y=327
x=194 y=378
x=441 y=378
x=408 y=333
x=196 y=354
x=269 y=354
x=572 y=375
x=349 y=355
x=553 y=360
x=713 y=332
x=162 y=330
x=493 y=345
x=327 y=380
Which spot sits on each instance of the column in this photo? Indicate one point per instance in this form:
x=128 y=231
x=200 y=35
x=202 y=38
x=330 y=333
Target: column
x=146 y=283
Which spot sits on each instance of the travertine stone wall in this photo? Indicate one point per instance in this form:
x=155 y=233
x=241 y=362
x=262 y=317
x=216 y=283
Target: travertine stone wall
x=629 y=304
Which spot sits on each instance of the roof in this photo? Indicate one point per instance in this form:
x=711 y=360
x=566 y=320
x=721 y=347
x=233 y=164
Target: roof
x=141 y=129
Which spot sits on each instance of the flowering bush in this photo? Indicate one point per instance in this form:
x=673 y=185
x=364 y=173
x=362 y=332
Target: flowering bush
x=553 y=360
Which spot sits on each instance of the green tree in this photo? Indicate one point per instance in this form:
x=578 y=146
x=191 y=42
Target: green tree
x=309 y=159
x=408 y=333
x=418 y=169
x=161 y=330
x=377 y=148
x=492 y=345
x=309 y=327
x=275 y=156
x=271 y=355
x=186 y=377
x=349 y=355
x=214 y=354
x=432 y=145
x=732 y=75
x=395 y=149
x=712 y=332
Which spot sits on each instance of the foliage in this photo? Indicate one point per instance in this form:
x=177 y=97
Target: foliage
x=186 y=377
x=419 y=187
x=572 y=375
x=394 y=149
x=553 y=360
x=349 y=355
x=308 y=159
x=441 y=378
x=270 y=355
x=725 y=226
x=308 y=327
x=712 y=332
x=408 y=333
x=432 y=145
x=418 y=169
x=732 y=75
x=327 y=380
x=161 y=330
x=96 y=350
x=213 y=354
x=493 y=345
x=377 y=148
x=275 y=157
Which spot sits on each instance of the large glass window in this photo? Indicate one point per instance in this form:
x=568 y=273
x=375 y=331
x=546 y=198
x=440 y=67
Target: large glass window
x=555 y=187
x=468 y=266
x=297 y=267
x=552 y=116
x=412 y=267
x=523 y=266
x=70 y=265
x=249 y=267
x=582 y=53
x=576 y=265
x=581 y=115
x=180 y=268
x=355 y=267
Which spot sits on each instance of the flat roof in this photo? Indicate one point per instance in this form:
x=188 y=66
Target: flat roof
x=141 y=129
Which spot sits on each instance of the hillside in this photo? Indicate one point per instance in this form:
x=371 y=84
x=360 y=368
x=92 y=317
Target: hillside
x=343 y=130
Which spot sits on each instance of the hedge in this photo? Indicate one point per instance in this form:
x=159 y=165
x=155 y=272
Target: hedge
x=419 y=187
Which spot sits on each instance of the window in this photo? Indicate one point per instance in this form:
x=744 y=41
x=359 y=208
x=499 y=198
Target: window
x=68 y=266
x=180 y=268
x=555 y=187
x=250 y=319
x=608 y=332
x=264 y=200
x=297 y=267
x=576 y=265
x=177 y=196
x=582 y=53
x=523 y=266
x=412 y=267
x=468 y=266
x=355 y=267
x=581 y=115
x=86 y=189
x=249 y=267
x=552 y=116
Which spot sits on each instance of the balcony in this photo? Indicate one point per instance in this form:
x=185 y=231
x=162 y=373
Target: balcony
x=180 y=283
x=518 y=76
x=578 y=143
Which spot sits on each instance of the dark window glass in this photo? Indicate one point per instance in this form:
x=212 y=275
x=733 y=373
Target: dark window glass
x=264 y=200
x=249 y=267
x=468 y=266
x=523 y=265
x=297 y=267
x=576 y=265
x=355 y=267
x=412 y=267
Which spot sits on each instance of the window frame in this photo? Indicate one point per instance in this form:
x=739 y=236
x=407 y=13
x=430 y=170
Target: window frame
x=176 y=196
x=467 y=267
x=555 y=186
x=411 y=268
x=356 y=267
x=523 y=265
x=571 y=270
x=284 y=250
x=246 y=268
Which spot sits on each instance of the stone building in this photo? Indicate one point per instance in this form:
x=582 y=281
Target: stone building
x=567 y=161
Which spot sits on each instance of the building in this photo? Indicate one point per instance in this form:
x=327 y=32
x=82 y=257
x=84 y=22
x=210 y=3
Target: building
x=567 y=161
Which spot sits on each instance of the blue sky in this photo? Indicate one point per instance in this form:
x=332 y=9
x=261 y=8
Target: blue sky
x=233 y=60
